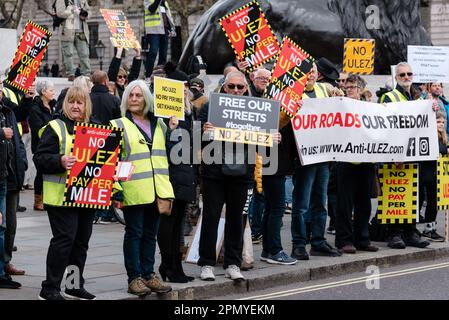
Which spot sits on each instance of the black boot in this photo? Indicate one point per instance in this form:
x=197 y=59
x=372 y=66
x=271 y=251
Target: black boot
x=168 y=271
x=178 y=267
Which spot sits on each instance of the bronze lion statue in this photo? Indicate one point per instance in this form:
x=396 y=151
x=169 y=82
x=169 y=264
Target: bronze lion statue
x=319 y=27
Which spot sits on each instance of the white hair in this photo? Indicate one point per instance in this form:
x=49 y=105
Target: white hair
x=234 y=74
x=83 y=82
x=256 y=73
x=43 y=85
x=149 y=102
x=402 y=64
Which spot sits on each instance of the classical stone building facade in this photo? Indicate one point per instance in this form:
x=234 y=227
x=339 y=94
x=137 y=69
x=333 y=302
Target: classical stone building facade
x=435 y=18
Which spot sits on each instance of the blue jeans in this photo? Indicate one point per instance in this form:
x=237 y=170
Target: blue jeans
x=157 y=43
x=255 y=212
x=139 y=245
x=274 y=187
x=288 y=189
x=3 y=189
x=309 y=204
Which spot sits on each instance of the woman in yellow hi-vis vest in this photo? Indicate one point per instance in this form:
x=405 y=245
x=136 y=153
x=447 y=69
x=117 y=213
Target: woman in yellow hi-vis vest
x=71 y=227
x=143 y=145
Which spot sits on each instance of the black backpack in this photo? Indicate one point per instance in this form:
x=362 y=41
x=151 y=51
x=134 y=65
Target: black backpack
x=56 y=20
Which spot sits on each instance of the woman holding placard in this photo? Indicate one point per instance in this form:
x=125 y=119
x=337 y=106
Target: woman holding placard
x=71 y=227
x=149 y=185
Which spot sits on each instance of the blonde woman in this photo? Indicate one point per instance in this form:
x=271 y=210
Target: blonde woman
x=71 y=227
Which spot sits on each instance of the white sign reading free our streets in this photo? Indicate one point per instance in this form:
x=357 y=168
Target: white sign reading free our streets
x=348 y=130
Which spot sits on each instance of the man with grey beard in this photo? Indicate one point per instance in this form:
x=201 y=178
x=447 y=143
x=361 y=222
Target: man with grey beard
x=401 y=235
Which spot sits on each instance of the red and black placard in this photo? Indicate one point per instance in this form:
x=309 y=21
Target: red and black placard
x=250 y=35
x=289 y=77
x=28 y=57
x=89 y=182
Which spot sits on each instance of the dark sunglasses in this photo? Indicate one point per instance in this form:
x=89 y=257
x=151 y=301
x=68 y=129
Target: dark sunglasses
x=402 y=75
x=341 y=80
x=122 y=77
x=239 y=86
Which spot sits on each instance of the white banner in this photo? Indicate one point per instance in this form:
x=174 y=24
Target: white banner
x=348 y=130
x=429 y=64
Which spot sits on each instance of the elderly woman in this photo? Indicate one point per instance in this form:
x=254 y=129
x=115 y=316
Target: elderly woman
x=119 y=75
x=42 y=110
x=144 y=146
x=71 y=227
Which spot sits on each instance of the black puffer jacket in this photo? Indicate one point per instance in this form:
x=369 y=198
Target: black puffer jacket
x=39 y=117
x=183 y=174
x=16 y=161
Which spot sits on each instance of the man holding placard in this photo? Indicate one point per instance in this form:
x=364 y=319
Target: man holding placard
x=401 y=235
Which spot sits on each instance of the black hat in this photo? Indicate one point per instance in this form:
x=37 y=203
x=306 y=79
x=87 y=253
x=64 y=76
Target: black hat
x=197 y=82
x=327 y=69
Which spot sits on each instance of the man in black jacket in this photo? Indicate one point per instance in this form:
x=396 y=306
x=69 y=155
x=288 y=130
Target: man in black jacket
x=9 y=138
x=105 y=106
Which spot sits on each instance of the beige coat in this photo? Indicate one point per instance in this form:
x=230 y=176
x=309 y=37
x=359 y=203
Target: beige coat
x=67 y=28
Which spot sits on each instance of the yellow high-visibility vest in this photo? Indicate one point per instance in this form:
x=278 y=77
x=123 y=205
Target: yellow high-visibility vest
x=155 y=19
x=320 y=91
x=151 y=176
x=8 y=93
x=54 y=184
x=395 y=96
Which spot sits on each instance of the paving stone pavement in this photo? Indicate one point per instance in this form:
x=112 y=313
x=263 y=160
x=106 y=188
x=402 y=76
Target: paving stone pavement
x=105 y=273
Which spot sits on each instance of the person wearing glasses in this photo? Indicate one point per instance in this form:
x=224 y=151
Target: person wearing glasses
x=143 y=145
x=402 y=235
x=260 y=82
x=341 y=81
x=119 y=75
x=222 y=185
x=309 y=212
x=354 y=185
x=404 y=90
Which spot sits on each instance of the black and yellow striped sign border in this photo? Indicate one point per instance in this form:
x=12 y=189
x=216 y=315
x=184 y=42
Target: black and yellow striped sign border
x=293 y=43
x=84 y=205
x=347 y=40
x=252 y=3
x=439 y=174
x=29 y=22
x=383 y=220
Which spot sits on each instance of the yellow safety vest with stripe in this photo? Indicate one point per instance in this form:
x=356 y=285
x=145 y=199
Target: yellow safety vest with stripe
x=395 y=96
x=54 y=184
x=8 y=93
x=153 y=20
x=320 y=91
x=150 y=176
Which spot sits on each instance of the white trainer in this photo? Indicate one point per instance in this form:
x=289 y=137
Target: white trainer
x=233 y=272
x=207 y=273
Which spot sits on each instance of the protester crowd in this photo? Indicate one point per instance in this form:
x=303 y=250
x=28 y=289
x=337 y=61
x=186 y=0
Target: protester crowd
x=310 y=193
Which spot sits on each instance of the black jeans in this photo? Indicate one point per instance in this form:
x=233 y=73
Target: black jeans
x=12 y=200
x=71 y=228
x=171 y=230
x=354 y=185
x=274 y=187
x=38 y=183
x=216 y=193
x=428 y=190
